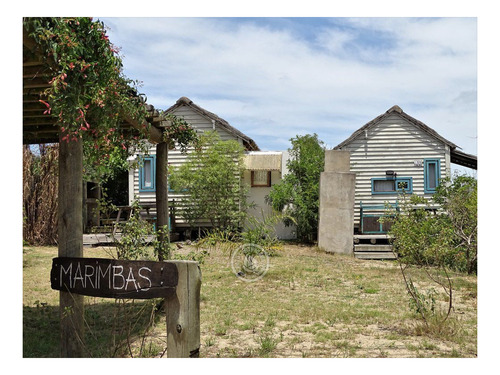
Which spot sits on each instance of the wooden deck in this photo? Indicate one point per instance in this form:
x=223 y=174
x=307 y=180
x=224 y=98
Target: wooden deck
x=104 y=239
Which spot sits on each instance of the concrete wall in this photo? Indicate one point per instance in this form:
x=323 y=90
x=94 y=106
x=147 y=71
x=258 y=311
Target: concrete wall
x=336 y=204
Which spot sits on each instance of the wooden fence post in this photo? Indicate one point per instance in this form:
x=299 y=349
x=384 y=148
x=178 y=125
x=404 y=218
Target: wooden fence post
x=183 y=313
x=70 y=241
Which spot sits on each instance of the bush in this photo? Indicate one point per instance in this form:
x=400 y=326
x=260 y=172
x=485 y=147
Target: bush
x=436 y=241
x=458 y=197
x=447 y=238
x=211 y=183
x=297 y=195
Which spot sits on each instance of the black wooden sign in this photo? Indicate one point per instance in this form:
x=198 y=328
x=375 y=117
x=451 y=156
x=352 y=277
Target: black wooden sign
x=114 y=278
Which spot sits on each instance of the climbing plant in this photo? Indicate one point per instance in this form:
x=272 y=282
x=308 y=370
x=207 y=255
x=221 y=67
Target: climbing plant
x=89 y=96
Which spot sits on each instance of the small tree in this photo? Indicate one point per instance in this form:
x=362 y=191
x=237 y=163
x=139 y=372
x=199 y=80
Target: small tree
x=422 y=239
x=297 y=195
x=211 y=182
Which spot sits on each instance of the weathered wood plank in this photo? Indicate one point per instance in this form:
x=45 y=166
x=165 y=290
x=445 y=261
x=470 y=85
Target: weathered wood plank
x=375 y=255
x=374 y=248
x=114 y=278
x=183 y=313
x=70 y=241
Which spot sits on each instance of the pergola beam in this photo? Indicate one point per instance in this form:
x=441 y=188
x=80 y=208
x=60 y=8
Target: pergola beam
x=155 y=135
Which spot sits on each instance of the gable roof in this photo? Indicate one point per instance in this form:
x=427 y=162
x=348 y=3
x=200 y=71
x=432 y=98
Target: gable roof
x=248 y=142
x=397 y=110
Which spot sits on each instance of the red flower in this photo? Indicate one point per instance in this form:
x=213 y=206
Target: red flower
x=47 y=111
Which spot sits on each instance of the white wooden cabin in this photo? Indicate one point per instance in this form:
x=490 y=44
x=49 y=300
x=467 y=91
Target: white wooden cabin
x=264 y=169
x=394 y=153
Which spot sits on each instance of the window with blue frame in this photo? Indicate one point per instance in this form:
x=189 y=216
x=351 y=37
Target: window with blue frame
x=432 y=174
x=392 y=185
x=147 y=173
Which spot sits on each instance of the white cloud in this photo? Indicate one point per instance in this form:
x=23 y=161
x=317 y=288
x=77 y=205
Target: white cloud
x=268 y=78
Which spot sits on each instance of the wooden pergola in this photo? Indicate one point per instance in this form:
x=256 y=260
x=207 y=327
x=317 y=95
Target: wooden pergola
x=39 y=127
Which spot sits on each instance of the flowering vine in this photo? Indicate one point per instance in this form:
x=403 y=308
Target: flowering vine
x=89 y=96
x=179 y=133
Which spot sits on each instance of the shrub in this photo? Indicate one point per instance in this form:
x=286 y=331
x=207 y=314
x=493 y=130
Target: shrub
x=297 y=195
x=436 y=241
x=211 y=183
x=458 y=197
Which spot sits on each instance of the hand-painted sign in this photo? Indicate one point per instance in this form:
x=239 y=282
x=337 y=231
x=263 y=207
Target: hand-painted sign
x=114 y=278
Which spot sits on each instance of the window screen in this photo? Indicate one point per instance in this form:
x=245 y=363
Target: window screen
x=383 y=186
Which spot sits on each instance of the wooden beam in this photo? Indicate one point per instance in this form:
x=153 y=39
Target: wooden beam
x=39 y=139
x=154 y=135
x=183 y=312
x=70 y=241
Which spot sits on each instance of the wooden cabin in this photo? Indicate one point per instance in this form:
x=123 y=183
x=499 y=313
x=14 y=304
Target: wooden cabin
x=263 y=169
x=392 y=154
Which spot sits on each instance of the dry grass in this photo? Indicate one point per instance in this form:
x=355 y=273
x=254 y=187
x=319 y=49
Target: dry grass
x=40 y=195
x=309 y=304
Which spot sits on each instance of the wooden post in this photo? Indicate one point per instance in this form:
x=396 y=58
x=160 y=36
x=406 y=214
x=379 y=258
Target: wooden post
x=183 y=312
x=84 y=207
x=162 y=195
x=70 y=241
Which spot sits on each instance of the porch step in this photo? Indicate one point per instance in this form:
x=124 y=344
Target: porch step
x=364 y=251
x=370 y=236
x=376 y=248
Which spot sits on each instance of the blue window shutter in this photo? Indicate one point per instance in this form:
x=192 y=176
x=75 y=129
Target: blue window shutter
x=147 y=174
x=432 y=174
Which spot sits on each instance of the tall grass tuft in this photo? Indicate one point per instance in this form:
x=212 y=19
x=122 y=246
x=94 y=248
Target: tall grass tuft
x=40 y=174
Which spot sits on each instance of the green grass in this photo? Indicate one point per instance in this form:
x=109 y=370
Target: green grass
x=309 y=304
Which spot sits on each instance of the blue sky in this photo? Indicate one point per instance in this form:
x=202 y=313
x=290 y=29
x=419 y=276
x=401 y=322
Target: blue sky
x=274 y=78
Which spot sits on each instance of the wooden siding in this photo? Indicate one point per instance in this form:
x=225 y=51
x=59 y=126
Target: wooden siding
x=176 y=158
x=393 y=144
